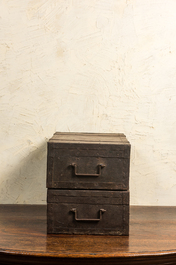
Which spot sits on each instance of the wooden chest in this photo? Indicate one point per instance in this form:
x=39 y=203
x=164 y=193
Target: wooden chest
x=88 y=184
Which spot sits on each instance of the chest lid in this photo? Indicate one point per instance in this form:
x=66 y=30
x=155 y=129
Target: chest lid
x=89 y=138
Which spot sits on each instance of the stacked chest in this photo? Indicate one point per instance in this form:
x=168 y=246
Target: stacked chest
x=88 y=184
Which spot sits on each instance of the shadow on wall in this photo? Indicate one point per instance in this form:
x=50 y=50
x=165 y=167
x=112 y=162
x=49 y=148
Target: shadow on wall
x=26 y=184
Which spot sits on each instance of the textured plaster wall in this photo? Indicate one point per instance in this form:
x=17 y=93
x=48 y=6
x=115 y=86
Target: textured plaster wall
x=88 y=66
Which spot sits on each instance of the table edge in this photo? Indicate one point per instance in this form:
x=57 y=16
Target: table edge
x=88 y=256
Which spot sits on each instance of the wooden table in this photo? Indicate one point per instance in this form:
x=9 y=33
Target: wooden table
x=23 y=239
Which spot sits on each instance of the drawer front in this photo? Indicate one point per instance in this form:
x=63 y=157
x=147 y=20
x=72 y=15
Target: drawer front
x=81 y=215
x=91 y=171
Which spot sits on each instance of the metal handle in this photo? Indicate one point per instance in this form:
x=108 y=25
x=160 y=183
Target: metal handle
x=89 y=220
x=85 y=175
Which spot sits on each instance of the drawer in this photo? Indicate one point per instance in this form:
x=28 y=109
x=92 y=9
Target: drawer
x=88 y=212
x=88 y=165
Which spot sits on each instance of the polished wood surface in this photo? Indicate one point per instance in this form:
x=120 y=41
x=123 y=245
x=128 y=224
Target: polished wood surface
x=23 y=239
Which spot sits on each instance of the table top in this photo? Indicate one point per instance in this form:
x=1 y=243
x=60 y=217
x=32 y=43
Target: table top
x=23 y=239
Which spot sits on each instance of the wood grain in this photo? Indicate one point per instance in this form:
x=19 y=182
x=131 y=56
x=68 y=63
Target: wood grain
x=23 y=239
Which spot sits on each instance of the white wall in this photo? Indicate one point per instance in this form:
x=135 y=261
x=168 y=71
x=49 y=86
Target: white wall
x=89 y=66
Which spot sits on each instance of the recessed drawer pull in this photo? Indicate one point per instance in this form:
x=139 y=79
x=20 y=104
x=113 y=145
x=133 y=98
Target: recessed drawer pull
x=85 y=175
x=87 y=220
